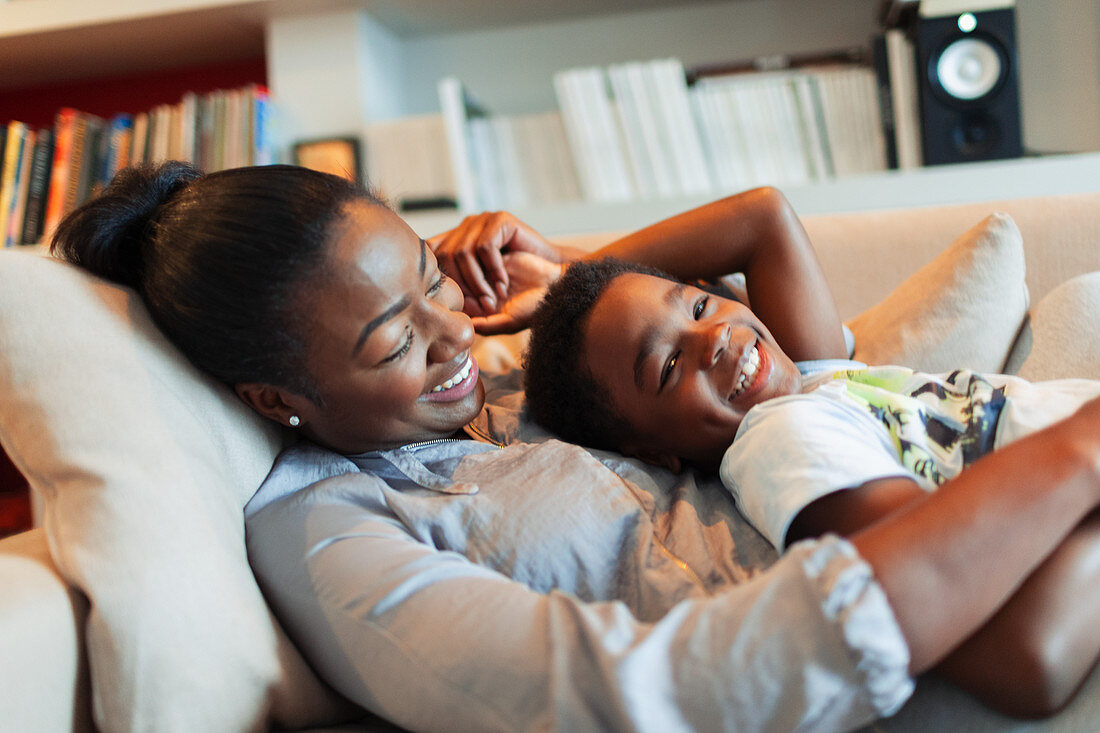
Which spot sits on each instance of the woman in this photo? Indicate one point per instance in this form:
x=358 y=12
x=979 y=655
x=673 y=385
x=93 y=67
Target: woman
x=448 y=583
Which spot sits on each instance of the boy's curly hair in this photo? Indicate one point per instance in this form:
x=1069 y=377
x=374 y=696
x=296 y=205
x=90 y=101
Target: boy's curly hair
x=562 y=394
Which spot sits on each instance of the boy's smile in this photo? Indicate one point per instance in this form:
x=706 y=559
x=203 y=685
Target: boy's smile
x=682 y=366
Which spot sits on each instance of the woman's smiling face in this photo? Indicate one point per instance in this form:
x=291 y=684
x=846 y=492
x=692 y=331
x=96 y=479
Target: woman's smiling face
x=682 y=367
x=388 y=345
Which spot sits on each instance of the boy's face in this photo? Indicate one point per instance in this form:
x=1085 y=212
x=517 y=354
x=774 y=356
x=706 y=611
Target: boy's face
x=682 y=366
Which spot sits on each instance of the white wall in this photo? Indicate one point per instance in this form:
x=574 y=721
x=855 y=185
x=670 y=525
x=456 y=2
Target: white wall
x=332 y=73
x=510 y=69
x=1059 y=51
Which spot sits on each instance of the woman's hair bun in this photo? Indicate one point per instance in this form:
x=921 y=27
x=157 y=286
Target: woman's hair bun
x=107 y=234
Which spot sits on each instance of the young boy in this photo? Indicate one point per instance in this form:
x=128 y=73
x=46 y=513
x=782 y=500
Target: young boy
x=626 y=358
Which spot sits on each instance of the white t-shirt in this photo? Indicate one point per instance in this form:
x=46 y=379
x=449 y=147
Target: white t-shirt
x=857 y=425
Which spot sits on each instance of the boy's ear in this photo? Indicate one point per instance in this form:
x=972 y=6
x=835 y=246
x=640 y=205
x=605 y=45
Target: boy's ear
x=272 y=402
x=654 y=457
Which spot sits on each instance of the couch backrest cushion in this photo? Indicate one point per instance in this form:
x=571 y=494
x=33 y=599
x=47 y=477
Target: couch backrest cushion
x=866 y=255
x=144 y=465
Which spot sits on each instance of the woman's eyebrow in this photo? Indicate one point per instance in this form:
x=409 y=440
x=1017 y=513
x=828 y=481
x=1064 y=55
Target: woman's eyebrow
x=394 y=309
x=374 y=323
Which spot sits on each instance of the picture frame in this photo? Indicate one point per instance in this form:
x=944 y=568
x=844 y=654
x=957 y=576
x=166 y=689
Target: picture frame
x=341 y=156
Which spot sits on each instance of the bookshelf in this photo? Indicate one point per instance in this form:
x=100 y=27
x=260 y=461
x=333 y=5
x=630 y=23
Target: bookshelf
x=338 y=66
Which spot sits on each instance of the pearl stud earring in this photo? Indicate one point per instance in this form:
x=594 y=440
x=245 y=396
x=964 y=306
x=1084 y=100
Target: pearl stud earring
x=294 y=421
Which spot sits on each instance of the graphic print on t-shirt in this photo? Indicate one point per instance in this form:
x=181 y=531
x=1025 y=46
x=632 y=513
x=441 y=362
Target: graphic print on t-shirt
x=939 y=423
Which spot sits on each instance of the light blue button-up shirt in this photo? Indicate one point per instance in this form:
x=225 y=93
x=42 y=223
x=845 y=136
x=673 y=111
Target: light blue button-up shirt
x=461 y=586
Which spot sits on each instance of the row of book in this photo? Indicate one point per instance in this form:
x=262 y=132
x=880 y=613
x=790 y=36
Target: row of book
x=45 y=173
x=639 y=131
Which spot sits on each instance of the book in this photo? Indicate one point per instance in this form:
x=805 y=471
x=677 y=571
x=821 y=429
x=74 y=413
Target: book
x=659 y=149
x=263 y=120
x=87 y=164
x=593 y=130
x=64 y=129
x=16 y=139
x=140 y=143
x=18 y=208
x=630 y=116
x=881 y=62
x=458 y=107
x=680 y=126
x=812 y=125
x=905 y=106
x=408 y=162
x=38 y=187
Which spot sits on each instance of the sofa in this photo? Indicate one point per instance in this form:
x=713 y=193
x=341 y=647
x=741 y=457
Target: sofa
x=131 y=606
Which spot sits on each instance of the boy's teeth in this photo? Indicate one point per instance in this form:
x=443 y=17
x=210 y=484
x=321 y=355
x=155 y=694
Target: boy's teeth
x=462 y=374
x=747 y=371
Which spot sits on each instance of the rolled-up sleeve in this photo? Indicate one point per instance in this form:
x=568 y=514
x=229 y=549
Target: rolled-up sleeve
x=432 y=641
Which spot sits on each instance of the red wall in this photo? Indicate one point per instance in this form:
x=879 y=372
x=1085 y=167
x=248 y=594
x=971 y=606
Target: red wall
x=137 y=93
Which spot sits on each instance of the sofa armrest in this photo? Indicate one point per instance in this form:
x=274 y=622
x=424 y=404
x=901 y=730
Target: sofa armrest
x=44 y=676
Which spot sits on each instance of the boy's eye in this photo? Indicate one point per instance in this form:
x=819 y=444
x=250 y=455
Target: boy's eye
x=667 y=371
x=700 y=306
x=404 y=347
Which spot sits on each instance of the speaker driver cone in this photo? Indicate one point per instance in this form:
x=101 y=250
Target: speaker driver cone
x=969 y=68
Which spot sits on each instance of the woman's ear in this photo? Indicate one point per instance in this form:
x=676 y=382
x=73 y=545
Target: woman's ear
x=654 y=458
x=274 y=403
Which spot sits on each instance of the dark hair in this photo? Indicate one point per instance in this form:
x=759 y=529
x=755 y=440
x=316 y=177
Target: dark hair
x=218 y=259
x=562 y=395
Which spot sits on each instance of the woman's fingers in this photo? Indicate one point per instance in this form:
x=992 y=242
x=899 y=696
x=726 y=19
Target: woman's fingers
x=470 y=254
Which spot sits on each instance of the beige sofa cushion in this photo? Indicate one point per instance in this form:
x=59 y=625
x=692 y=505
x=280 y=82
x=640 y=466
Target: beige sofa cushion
x=1062 y=336
x=961 y=310
x=144 y=466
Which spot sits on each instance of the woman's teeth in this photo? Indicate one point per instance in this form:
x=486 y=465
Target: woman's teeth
x=747 y=372
x=457 y=378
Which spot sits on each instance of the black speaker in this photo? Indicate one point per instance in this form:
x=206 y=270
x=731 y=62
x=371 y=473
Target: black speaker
x=969 y=82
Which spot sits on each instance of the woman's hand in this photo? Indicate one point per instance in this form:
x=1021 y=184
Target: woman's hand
x=474 y=255
x=529 y=276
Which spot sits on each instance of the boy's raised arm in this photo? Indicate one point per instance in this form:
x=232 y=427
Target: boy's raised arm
x=758 y=233
x=755 y=232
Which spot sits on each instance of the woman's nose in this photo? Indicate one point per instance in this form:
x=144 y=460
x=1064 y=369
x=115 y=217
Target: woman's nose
x=452 y=332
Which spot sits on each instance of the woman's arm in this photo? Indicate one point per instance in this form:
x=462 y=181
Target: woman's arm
x=432 y=641
x=1034 y=655
x=935 y=545
x=1036 y=651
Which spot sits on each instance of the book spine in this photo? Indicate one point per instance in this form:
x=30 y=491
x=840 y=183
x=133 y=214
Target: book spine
x=83 y=143
x=880 y=59
x=38 y=188
x=62 y=161
x=640 y=164
x=22 y=183
x=263 y=152
x=452 y=103
x=13 y=155
x=901 y=59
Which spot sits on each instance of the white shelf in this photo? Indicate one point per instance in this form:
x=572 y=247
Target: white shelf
x=337 y=65
x=49 y=41
x=43 y=42
x=930 y=186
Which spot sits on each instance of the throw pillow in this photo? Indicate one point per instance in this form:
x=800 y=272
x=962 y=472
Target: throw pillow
x=961 y=310
x=144 y=465
x=1061 y=339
